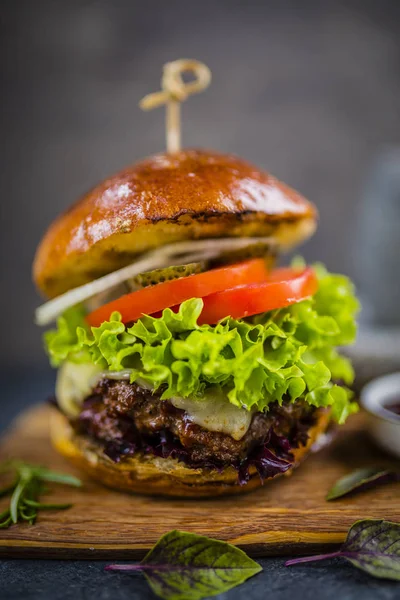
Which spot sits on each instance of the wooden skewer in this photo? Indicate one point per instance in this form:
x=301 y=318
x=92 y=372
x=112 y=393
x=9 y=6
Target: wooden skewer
x=173 y=132
x=174 y=91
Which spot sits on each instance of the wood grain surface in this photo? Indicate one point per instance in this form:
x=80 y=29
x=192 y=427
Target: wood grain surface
x=287 y=516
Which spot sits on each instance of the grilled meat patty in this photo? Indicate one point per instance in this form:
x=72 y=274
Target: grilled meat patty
x=125 y=417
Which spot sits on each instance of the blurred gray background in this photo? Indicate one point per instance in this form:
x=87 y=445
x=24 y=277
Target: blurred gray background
x=308 y=90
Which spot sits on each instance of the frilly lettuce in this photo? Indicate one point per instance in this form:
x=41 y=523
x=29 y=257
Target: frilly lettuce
x=288 y=352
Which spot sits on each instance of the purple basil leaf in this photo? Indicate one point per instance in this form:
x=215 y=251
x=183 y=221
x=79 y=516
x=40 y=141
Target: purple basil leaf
x=361 y=480
x=186 y=566
x=372 y=545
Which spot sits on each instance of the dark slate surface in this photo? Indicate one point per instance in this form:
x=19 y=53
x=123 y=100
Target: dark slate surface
x=81 y=580
x=61 y=580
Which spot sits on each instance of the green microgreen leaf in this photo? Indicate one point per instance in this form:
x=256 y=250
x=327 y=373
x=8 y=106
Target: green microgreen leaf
x=26 y=490
x=55 y=477
x=372 y=545
x=47 y=506
x=6 y=523
x=186 y=566
x=25 y=477
x=27 y=515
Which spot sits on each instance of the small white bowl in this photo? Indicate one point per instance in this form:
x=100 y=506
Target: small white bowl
x=376 y=398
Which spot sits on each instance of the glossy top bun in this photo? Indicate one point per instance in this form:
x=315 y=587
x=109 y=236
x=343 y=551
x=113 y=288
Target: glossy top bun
x=155 y=476
x=166 y=198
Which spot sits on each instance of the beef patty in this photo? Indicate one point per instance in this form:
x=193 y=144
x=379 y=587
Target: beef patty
x=126 y=417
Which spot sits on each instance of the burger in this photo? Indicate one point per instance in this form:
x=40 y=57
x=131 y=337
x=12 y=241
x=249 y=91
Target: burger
x=189 y=364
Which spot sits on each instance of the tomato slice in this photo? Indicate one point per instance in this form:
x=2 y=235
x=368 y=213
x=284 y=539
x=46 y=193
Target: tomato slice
x=282 y=287
x=155 y=298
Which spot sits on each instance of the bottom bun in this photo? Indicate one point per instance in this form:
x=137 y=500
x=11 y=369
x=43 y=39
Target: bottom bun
x=151 y=475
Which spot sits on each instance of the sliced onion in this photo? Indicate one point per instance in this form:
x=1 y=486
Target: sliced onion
x=176 y=253
x=125 y=374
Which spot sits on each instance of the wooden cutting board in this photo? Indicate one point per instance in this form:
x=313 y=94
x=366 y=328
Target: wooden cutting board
x=287 y=516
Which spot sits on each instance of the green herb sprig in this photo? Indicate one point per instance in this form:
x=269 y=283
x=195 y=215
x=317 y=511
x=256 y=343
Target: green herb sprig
x=29 y=483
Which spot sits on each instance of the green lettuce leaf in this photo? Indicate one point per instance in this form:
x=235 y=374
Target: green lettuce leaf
x=290 y=352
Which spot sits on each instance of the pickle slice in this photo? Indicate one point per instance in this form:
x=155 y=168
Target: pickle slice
x=257 y=250
x=166 y=274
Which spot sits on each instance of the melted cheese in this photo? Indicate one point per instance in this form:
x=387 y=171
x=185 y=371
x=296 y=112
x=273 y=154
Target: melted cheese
x=74 y=384
x=213 y=412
